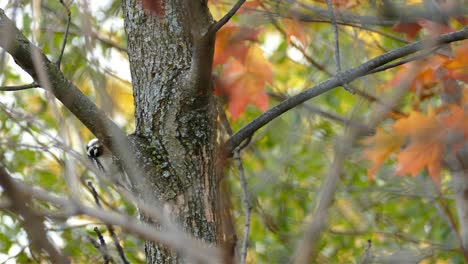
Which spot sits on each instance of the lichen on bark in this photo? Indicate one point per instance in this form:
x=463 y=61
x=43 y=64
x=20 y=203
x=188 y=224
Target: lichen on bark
x=175 y=114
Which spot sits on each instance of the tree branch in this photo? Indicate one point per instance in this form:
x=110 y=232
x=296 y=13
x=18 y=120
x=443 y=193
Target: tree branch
x=18 y=87
x=218 y=25
x=177 y=240
x=102 y=246
x=245 y=192
x=406 y=15
x=346 y=76
x=362 y=128
x=59 y=60
x=307 y=248
x=110 y=228
x=22 y=50
x=32 y=222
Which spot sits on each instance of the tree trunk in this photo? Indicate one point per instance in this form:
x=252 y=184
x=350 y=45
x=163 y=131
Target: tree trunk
x=175 y=113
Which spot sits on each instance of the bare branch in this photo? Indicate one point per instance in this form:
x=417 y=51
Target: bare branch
x=98 y=246
x=110 y=228
x=218 y=25
x=22 y=50
x=245 y=193
x=117 y=245
x=18 y=87
x=247 y=206
x=307 y=248
x=406 y=15
x=367 y=253
x=346 y=76
x=32 y=222
x=330 y=115
x=59 y=60
x=404 y=61
x=331 y=13
x=178 y=240
x=102 y=246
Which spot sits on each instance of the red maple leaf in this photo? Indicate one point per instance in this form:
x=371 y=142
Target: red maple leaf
x=233 y=41
x=243 y=83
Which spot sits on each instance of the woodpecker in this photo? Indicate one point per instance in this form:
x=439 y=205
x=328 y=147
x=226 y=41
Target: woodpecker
x=101 y=157
x=97 y=154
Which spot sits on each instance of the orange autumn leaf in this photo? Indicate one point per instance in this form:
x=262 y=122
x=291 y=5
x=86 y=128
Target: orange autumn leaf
x=232 y=41
x=381 y=145
x=458 y=66
x=420 y=155
x=244 y=83
x=426 y=142
x=425 y=77
x=294 y=28
x=457 y=121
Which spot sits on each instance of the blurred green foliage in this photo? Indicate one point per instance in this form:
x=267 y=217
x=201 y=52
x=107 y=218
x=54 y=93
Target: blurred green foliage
x=285 y=164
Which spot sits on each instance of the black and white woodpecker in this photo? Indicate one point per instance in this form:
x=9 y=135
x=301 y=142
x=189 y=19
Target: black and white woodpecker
x=101 y=157
x=97 y=155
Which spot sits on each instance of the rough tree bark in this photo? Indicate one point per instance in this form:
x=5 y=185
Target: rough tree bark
x=170 y=58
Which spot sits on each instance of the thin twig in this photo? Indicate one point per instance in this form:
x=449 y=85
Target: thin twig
x=308 y=245
x=363 y=26
x=320 y=67
x=110 y=228
x=217 y=26
x=117 y=244
x=94 y=193
x=18 y=87
x=295 y=45
x=331 y=13
x=103 y=251
x=103 y=246
x=404 y=61
x=367 y=253
x=182 y=242
x=307 y=249
x=66 y=33
x=245 y=194
x=247 y=206
x=330 y=115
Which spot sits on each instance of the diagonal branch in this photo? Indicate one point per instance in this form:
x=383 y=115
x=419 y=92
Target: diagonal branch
x=337 y=80
x=307 y=248
x=53 y=80
x=22 y=50
x=182 y=242
x=218 y=25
